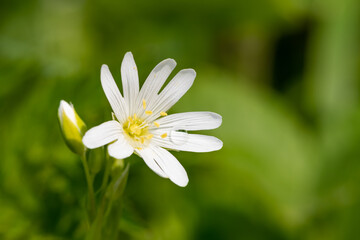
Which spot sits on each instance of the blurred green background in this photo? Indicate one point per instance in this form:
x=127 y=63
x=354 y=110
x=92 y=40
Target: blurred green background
x=283 y=74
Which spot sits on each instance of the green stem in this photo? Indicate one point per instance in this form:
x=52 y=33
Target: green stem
x=90 y=185
x=122 y=180
x=107 y=171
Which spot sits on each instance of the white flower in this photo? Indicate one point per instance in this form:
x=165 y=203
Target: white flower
x=142 y=124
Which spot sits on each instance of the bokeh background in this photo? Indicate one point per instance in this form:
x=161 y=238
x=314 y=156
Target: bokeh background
x=283 y=74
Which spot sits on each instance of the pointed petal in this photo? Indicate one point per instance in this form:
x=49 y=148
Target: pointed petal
x=187 y=142
x=154 y=82
x=68 y=110
x=148 y=156
x=113 y=94
x=120 y=149
x=171 y=166
x=191 y=121
x=176 y=88
x=130 y=81
x=103 y=134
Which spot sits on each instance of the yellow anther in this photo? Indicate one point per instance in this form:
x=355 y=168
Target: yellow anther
x=163 y=114
x=164 y=135
x=148 y=112
x=138 y=148
x=144 y=104
x=135 y=129
x=156 y=124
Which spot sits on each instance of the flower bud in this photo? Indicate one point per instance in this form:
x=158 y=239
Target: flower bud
x=72 y=127
x=117 y=167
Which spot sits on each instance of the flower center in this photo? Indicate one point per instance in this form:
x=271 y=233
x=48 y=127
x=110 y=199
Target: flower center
x=137 y=131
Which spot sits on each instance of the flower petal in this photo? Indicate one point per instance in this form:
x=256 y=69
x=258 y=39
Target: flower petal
x=120 y=149
x=191 y=121
x=171 y=166
x=130 y=81
x=154 y=82
x=176 y=88
x=186 y=142
x=103 y=134
x=148 y=157
x=113 y=94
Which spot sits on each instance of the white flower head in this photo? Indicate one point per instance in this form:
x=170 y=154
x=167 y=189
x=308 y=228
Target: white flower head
x=141 y=124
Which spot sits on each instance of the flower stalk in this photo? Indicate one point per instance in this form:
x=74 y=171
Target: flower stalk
x=89 y=181
x=101 y=212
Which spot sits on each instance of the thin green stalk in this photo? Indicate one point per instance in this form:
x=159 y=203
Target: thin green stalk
x=107 y=171
x=90 y=185
x=117 y=189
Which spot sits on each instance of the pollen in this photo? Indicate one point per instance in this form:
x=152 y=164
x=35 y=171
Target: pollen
x=149 y=136
x=148 y=112
x=163 y=135
x=144 y=104
x=136 y=131
x=163 y=114
x=156 y=124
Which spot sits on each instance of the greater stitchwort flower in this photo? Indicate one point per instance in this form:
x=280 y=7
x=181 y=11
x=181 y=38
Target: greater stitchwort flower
x=141 y=124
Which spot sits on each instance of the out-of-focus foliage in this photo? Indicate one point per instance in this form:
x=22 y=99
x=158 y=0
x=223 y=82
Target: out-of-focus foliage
x=283 y=74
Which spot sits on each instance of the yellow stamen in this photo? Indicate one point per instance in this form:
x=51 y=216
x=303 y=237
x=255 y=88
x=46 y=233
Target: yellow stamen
x=156 y=124
x=144 y=104
x=150 y=136
x=163 y=114
x=164 y=135
x=148 y=112
x=135 y=129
